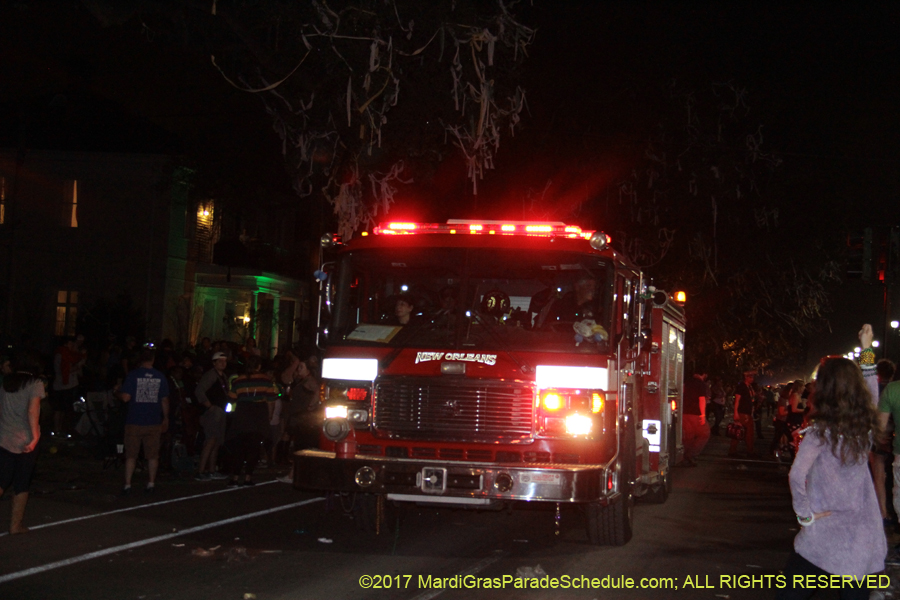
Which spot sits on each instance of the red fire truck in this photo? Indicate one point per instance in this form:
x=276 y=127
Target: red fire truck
x=478 y=363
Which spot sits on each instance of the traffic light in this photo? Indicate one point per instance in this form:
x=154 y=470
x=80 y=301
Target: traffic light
x=873 y=255
x=860 y=255
x=892 y=273
x=854 y=254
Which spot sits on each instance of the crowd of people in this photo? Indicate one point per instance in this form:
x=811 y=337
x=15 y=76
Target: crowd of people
x=786 y=406
x=837 y=433
x=220 y=406
x=232 y=408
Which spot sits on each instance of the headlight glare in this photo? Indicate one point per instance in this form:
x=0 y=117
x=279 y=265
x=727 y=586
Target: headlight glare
x=578 y=424
x=552 y=402
x=336 y=412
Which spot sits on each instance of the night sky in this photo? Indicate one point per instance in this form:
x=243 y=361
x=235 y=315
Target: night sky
x=822 y=80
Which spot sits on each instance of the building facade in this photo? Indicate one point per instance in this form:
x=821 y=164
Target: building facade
x=81 y=230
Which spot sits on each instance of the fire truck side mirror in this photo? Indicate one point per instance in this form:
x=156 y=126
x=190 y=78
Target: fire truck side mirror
x=330 y=240
x=660 y=297
x=646 y=332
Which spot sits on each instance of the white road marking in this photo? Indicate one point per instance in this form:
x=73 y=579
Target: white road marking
x=160 y=538
x=481 y=565
x=139 y=506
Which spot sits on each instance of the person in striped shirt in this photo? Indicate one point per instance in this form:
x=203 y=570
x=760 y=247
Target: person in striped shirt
x=254 y=395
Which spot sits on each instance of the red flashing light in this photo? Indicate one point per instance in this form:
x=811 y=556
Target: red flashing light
x=357 y=394
x=527 y=228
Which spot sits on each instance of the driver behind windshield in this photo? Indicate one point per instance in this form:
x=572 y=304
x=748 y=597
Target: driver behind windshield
x=446 y=315
x=575 y=305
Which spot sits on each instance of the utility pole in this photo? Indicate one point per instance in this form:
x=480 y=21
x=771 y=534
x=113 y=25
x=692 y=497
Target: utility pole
x=891 y=279
x=874 y=257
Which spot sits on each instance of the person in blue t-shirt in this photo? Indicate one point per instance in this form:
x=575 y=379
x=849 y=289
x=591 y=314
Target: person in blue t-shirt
x=145 y=393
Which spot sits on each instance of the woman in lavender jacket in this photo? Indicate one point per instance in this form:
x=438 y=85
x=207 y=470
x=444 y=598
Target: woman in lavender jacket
x=833 y=496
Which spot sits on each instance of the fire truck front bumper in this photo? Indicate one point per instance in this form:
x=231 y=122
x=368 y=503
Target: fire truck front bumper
x=456 y=483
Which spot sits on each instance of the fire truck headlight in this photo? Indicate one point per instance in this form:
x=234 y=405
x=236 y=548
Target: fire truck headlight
x=336 y=412
x=358 y=416
x=552 y=402
x=350 y=369
x=578 y=425
x=336 y=429
x=553 y=376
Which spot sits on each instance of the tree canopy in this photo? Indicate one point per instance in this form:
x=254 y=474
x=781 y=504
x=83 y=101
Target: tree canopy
x=365 y=95
x=700 y=207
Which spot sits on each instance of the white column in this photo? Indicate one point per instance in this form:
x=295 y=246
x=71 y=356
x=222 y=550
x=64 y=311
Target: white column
x=276 y=308
x=254 y=307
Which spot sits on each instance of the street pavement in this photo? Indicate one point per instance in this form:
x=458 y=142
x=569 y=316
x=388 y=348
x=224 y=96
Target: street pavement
x=725 y=516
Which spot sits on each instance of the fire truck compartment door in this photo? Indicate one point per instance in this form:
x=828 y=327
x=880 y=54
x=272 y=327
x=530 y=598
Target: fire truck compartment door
x=653 y=433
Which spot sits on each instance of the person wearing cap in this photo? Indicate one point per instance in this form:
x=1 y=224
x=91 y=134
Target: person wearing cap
x=212 y=394
x=145 y=393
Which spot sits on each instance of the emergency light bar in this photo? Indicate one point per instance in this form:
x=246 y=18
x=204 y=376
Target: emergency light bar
x=459 y=226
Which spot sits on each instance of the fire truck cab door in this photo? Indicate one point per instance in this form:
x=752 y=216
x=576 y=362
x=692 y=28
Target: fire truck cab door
x=627 y=331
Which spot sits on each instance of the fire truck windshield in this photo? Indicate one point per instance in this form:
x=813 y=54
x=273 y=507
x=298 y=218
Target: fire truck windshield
x=483 y=298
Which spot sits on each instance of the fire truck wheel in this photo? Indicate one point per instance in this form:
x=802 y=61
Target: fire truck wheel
x=659 y=493
x=612 y=524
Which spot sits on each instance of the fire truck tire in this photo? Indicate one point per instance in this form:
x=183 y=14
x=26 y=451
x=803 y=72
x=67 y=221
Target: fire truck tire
x=612 y=524
x=659 y=493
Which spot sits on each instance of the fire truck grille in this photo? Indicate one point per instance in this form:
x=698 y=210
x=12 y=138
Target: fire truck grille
x=453 y=410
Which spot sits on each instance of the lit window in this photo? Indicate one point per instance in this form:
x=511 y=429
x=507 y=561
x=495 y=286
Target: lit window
x=204 y=214
x=70 y=214
x=2 y=200
x=66 y=312
x=74 y=217
x=205 y=233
